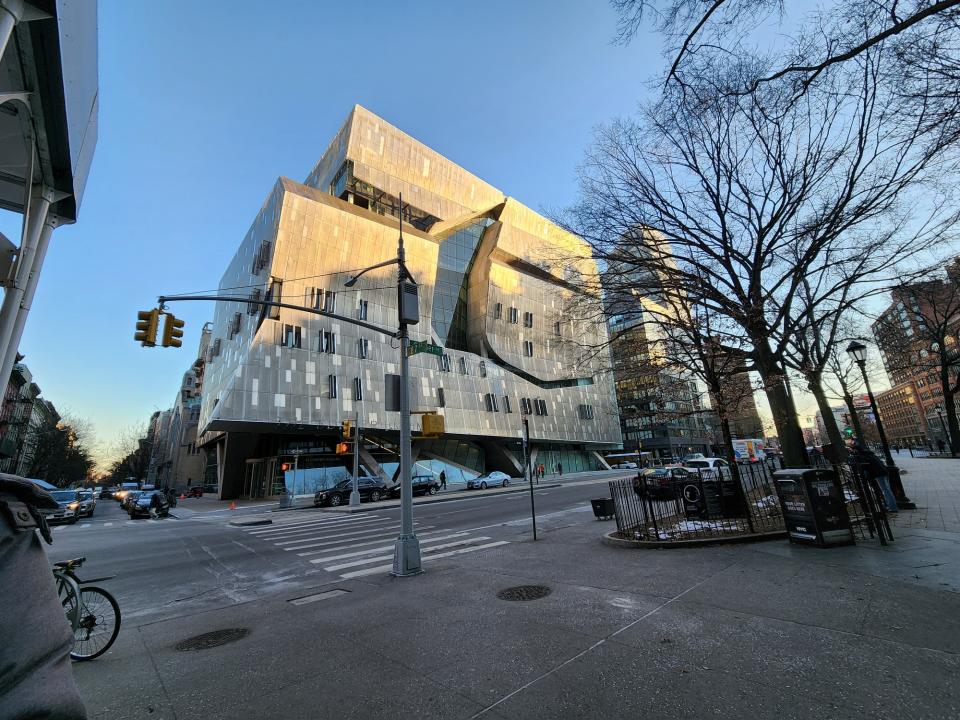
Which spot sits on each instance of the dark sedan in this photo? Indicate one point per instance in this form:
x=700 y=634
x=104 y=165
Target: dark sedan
x=422 y=485
x=372 y=489
x=660 y=483
x=140 y=507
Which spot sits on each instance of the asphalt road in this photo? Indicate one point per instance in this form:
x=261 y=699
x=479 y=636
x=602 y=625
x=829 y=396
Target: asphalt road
x=196 y=561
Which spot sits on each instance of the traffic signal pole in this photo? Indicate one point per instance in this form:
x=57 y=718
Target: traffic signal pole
x=355 y=492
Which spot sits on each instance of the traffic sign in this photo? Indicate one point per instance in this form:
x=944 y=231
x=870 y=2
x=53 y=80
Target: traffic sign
x=423 y=346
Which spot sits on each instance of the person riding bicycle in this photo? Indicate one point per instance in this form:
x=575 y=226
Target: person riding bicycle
x=36 y=679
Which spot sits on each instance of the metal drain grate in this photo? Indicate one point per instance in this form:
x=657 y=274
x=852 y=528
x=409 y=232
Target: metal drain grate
x=212 y=639
x=524 y=592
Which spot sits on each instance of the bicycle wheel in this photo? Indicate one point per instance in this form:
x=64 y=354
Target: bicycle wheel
x=98 y=623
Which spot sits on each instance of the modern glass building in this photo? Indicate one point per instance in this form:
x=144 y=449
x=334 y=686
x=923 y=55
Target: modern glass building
x=501 y=289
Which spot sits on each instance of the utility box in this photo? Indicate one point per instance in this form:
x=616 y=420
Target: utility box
x=814 y=510
x=409 y=303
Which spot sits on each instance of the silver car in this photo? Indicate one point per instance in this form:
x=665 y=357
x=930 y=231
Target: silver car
x=493 y=479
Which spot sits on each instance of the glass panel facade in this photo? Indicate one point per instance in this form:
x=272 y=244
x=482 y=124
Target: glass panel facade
x=450 y=295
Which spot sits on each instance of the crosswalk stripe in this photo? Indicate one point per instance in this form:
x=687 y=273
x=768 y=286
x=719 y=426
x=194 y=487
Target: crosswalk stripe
x=379 y=558
x=319 y=517
x=359 y=553
x=375 y=540
x=326 y=531
x=85 y=525
x=109 y=524
x=386 y=568
x=371 y=532
x=307 y=527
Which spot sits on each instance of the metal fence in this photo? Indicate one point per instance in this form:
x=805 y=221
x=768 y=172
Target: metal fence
x=727 y=502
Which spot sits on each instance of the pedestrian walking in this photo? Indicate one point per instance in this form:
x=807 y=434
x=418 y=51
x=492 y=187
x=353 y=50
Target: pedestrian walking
x=154 y=506
x=941 y=445
x=443 y=480
x=560 y=469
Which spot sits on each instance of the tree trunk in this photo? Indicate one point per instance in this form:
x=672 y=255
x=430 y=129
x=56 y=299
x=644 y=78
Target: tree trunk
x=854 y=418
x=784 y=416
x=950 y=407
x=829 y=422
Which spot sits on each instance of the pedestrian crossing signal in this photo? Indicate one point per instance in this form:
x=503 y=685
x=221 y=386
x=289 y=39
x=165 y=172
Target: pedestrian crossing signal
x=343 y=448
x=848 y=432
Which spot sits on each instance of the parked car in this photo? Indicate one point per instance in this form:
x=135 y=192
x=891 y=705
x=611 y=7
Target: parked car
x=125 y=488
x=625 y=466
x=69 y=507
x=660 y=483
x=140 y=506
x=692 y=456
x=492 y=479
x=372 y=489
x=194 y=491
x=129 y=499
x=88 y=503
x=707 y=463
x=422 y=485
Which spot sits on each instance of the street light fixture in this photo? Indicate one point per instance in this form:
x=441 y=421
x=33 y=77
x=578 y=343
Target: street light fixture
x=858 y=352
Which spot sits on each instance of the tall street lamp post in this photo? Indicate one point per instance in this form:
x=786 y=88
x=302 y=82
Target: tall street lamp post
x=406 y=552
x=858 y=352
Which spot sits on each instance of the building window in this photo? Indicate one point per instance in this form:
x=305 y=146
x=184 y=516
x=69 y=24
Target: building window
x=586 y=412
x=556 y=328
x=514 y=315
x=462 y=365
x=490 y=401
x=498 y=311
x=363 y=347
x=329 y=301
x=528 y=319
x=444 y=361
x=235 y=325
x=528 y=348
x=291 y=336
x=483 y=369
x=363 y=309
x=539 y=406
x=506 y=404
x=253 y=308
x=441 y=398
x=333 y=384
x=525 y=407
x=328 y=341
x=357 y=389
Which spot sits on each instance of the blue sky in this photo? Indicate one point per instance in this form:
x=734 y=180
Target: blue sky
x=204 y=104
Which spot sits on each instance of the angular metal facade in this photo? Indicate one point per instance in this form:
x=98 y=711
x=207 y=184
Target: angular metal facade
x=498 y=290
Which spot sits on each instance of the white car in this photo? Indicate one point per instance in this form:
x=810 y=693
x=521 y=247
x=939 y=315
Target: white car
x=706 y=463
x=492 y=479
x=625 y=466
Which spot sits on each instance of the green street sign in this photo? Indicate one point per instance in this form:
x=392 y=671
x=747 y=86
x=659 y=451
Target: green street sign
x=423 y=346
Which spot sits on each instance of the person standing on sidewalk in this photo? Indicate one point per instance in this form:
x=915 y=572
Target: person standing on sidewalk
x=443 y=480
x=873 y=467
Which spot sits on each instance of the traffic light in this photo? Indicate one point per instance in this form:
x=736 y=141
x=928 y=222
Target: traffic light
x=343 y=448
x=848 y=432
x=172 y=331
x=146 y=333
x=345 y=428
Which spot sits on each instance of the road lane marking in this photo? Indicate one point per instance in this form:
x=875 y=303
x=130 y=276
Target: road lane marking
x=360 y=553
x=367 y=561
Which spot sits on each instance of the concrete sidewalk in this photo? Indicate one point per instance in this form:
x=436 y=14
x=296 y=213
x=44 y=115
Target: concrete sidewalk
x=763 y=631
x=934 y=485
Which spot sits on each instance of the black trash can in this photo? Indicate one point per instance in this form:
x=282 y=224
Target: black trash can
x=813 y=507
x=602 y=508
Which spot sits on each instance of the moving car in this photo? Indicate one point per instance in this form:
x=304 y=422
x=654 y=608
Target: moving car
x=707 y=463
x=107 y=493
x=125 y=488
x=88 y=502
x=493 y=479
x=372 y=489
x=69 y=506
x=140 y=507
x=422 y=485
x=625 y=466
x=661 y=483
x=130 y=498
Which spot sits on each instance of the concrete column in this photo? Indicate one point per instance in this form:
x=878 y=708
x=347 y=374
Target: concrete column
x=30 y=290
x=9 y=311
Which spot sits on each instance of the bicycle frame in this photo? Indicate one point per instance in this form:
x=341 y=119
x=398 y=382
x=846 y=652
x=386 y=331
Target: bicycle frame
x=70 y=584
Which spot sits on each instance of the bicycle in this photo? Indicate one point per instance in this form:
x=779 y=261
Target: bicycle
x=92 y=612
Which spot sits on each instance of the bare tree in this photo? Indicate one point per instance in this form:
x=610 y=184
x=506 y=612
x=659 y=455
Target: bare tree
x=738 y=200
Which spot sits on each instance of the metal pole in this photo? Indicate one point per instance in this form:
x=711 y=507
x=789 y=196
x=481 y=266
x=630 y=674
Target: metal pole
x=355 y=492
x=36 y=222
x=893 y=472
x=10 y=13
x=10 y=356
x=406 y=554
x=528 y=475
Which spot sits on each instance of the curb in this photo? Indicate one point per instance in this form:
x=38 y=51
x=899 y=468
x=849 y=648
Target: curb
x=370 y=507
x=608 y=539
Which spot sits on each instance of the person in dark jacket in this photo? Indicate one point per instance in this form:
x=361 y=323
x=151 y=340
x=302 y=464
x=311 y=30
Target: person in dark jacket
x=36 y=679
x=873 y=467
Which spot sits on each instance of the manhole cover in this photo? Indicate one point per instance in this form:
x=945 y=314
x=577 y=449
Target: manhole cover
x=213 y=639
x=524 y=592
